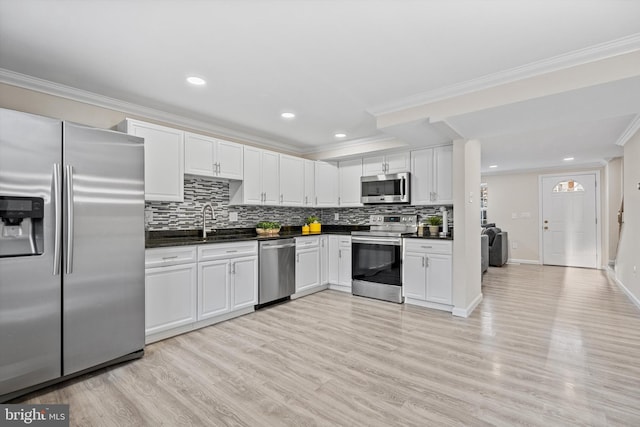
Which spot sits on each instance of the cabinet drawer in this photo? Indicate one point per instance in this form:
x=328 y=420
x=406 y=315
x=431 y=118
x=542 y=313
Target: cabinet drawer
x=345 y=241
x=227 y=250
x=429 y=246
x=161 y=257
x=307 y=242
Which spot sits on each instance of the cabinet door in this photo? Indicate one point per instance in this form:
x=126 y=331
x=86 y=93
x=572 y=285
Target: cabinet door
x=291 y=180
x=443 y=174
x=309 y=182
x=397 y=163
x=334 y=254
x=439 y=278
x=198 y=155
x=422 y=177
x=229 y=158
x=414 y=275
x=344 y=261
x=326 y=184
x=270 y=178
x=307 y=268
x=163 y=161
x=170 y=297
x=373 y=165
x=244 y=282
x=349 y=182
x=324 y=260
x=213 y=288
x=252 y=181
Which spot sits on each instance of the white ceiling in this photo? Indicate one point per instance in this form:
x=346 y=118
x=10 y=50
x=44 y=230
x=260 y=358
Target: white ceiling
x=333 y=62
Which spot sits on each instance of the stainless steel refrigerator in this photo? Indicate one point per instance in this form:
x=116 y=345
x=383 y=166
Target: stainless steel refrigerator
x=71 y=250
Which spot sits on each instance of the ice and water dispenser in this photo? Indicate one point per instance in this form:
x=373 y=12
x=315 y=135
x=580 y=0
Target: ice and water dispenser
x=21 y=228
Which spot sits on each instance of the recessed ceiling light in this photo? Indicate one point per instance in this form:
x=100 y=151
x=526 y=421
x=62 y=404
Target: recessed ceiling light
x=197 y=81
x=568 y=159
x=287 y=115
x=340 y=135
x=493 y=166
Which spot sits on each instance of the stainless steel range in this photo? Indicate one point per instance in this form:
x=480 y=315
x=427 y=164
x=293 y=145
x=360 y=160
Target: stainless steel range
x=377 y=256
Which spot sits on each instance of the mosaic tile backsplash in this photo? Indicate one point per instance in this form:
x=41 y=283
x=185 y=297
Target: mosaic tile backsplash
x=187 y=215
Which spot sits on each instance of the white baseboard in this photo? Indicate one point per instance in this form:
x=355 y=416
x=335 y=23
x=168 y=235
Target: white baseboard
x=612 y=275
x=309 y=291
x=428 y=304
x=523 y=261
x=340 y=288
x=466 y=312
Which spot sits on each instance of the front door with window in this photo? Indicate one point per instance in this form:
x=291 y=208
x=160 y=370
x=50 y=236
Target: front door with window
x=569 y=228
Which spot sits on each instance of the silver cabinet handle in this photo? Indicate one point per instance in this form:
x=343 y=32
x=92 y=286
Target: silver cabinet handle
x=234 y=268
x=322 y=242
x=426 y=247
x=69 y=190
x=339 y=253
x=281 y=199
x=339 y=198
x=57 y=212
x=297 y=258
x=230 y=252
x=169 y=257
x=316 y=200
x=423 y=262
x=427 y=260
x=219 y=168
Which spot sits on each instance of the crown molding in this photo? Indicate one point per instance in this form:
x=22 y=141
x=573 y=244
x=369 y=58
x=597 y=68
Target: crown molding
x=356 y=147
x=578 y=57
x=547 y=169
x=51 y=88
x=629 y=132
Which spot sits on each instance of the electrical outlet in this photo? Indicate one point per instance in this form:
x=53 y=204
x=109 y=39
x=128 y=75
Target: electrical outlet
x=514 y=215
x=233 y=216
x=525 y=214
x=336 y=216
x=148 y=215
x=514 y=245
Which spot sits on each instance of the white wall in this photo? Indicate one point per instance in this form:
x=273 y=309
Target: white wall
x=467 y=276
x=628 y=259
x=518 y=194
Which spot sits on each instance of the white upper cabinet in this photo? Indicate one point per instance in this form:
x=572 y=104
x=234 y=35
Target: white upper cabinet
x=292 y=182
x=163 y=160
x=350 y=172
x=309 y=183
x=326 y=184
x=261 y=183
x=391 y=163
x=212 y=157
x=228 y=157
x=432 y=176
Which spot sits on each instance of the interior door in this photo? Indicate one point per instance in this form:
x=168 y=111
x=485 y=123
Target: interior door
x=569 y=228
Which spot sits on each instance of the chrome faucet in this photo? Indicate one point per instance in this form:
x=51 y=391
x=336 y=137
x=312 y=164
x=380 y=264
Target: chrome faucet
x=204 y=218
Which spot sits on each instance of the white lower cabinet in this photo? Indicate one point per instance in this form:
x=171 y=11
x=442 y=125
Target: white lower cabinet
x=340 y=262
x=170 y=289
x=324 y=260
x=307 y=263
x=427 y=273
x=189 y=287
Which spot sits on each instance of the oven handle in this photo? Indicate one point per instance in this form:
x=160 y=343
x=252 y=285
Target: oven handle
x=389 y=241
x=403 y=188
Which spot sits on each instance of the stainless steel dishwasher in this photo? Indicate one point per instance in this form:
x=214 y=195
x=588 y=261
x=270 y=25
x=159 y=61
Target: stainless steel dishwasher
x=277 y=270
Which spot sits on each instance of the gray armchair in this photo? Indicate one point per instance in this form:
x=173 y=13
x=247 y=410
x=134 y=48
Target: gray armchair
x=498 y=246
x=484 y=251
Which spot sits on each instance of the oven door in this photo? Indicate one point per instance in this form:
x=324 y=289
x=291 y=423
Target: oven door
x=376 y=259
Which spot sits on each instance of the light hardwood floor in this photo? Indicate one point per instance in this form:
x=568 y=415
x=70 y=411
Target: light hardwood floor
x=548 y=346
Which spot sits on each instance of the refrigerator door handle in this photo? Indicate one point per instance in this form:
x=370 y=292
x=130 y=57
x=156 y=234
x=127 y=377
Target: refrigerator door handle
x=69 y=190
x=57 y=212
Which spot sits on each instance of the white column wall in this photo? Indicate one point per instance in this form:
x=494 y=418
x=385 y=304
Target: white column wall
x=467 y=292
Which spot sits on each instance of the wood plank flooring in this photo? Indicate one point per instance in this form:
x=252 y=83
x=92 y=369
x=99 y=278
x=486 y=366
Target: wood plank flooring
x=548 y=346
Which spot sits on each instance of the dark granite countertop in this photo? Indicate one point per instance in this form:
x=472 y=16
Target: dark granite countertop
x=160 y=239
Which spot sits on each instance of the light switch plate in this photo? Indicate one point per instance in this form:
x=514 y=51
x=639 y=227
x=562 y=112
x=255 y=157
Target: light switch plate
x=514 y=215
x=148 y=215
x=336 y=216
x=233 y=216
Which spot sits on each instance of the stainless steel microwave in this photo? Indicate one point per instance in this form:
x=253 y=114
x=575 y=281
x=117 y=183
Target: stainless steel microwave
x=381 y=189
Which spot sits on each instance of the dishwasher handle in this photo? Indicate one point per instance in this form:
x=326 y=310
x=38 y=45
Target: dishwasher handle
x=287 y=245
